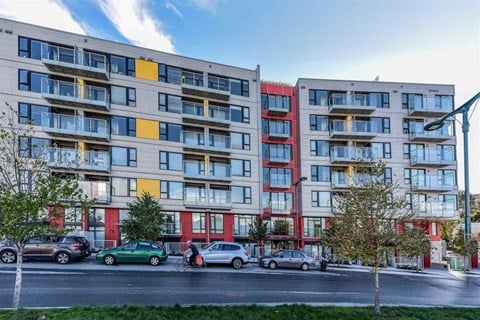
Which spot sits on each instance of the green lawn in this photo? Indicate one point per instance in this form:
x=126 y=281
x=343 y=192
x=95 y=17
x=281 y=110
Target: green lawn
x=249 y=312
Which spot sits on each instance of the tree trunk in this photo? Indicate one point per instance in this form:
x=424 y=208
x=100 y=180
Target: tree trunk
x=377 y=292
x=18 y=280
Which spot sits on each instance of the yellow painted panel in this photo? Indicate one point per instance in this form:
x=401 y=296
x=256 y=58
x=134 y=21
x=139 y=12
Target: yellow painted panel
x=207 y=165
x=349 y=170
x=148 y=129
x=205 y=108
x=149 y=186
x=81 y=145
x=81 y=91
x=147 y=70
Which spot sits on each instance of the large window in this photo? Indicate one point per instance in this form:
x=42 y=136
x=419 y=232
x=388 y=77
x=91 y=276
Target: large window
x=122 y=65
x=381 y=125
x=171 y=190
x=447 y=177
x=169 y=74
x=319 y=148
x=124 y=156
x=31 y=113
x=318 y=122
x=216 y=223
x=446 y=152
x=240 y=140
x=239 y=87
x=240 y=114
x=242 y=195
x=170 y=132
x=30 y=48
x=171 y=161
x=169 y=103
x=318 y=97
x=30 y=81
x=280 y=201
x=321 y=199
x=36 y=148
x=320 y=173
x=199 y=222
x=73 y=219
x=412 y=100
x=278 y=176
x=123 y=126
x=123 y=95
x=382 y=149
x=409 y=174
x=241 y=168
x=270 y=101
x=124 y=187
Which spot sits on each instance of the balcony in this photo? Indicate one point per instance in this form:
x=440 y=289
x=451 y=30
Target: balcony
x=434 y=210
x=280 y=181
x=430 y=107
x=351 y=103
x=312 y=232
x=194 y=113
x=171 y=229
x=216 y=199
x=279 y=157
x=341 y=180
x=352 y=155
x=277 y=109
x=433 y=183
x=278 y=130
x=417 y=133
x=98 y=190
x=196 y=141
x=196 y=170
x=72 y=94
x=241 y=231
x=75 y=126
x=354 y=129
x=77 y=160
x=73 y=61
x=217 y=88
x=432 y=157
x=278 y=207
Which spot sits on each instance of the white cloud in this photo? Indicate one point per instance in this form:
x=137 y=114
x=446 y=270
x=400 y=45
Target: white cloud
x=170 y=5
x=47 y=13
x=207 y=5
x=134 y=20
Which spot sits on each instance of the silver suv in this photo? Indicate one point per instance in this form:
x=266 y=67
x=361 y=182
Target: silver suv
x=220 y=252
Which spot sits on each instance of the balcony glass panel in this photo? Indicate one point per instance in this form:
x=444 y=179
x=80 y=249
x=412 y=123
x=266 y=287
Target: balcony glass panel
x=192 y=108
x=355 y=126
x=193 y=138
x=219 y=141
x=219 y=197
x=77 y=58
x=192 y=78
x=281 y=180
x=194 y=168
x=217 y=83
x=74 y=125
x=196 y=196
x=353 y=153
x=220 y=113
x=70 y=91
x=220 y=170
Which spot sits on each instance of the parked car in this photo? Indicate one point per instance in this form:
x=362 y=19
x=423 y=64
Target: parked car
x=220 y=252
x=62 y=249
x=134 y=252
x=287 y=259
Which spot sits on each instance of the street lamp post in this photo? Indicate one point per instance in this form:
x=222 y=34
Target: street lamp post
x=437 y=124
x=297 y=209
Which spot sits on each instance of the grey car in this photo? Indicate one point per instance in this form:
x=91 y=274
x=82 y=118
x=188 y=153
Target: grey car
x=288 y=259
x=220 y=252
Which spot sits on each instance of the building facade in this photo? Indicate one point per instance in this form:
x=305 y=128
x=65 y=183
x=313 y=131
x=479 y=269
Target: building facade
x=344 y=122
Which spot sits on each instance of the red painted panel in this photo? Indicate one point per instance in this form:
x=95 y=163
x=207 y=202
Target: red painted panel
x=228 y=222
x=112 y=232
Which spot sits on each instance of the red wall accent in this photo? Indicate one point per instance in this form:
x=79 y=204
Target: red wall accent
x=228 y=227
x=112 y=232
x=186 y=221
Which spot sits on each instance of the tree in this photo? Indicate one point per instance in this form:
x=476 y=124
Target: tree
x=365 y=219
x=461 y=247
x=145 y=219
x=258 y=232
x=474 y=206
x=281 y=227
x=448 y=232
x=414 y=243
x=30 y=197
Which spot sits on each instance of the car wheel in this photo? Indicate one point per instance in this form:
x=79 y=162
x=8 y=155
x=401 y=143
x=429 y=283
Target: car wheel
x=237 y=263
x=8 y=256
x=272 y=265
x=305 y=266
x=154 y=261
x=62 y=258
x=109 y=260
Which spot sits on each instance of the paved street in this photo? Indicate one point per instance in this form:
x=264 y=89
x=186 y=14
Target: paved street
x=88 y=283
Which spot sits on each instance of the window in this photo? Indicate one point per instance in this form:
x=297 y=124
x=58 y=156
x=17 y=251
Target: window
x=30 y=81
x=239 y=87
x=386 y=176
x=123 y=95
x=124 y=187
x=30 y=48
x=412 y=101
x=314 y=227
x=409 y=174
x=240 y=140
x=447 y=177
x=169 y=74
x=270 y=101
x=31 y=113
x=417 y=202
x=170 y=132
x=414 y=149
x=241 y=168
x=444 y=102
x=277 y=152
x=448 y=201
x=123 y=126
x=169 y=103
x=216 y=223
x=198 y=222
x=240 y=114
x=318 y=97
x=281 y=127
x=242 y=224
x=381 y=125
x=242 y=195
x=378 y=99
x=36 y=148
x=171 y=190
x=318 y=122
x=280 y=201
x=382 y=149
x=277 y=176
x=320 y=173
x=122 y=65
x=171 y=161
x=321 y=199
x=446 y=152
x=319 y=148
x=434 y=228
x=124 y=156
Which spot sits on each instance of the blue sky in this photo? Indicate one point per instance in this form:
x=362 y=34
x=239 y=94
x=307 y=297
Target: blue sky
x=435 y=41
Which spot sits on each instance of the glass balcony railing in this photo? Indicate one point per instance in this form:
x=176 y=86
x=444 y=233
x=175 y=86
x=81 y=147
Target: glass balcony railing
x=75 y=125
x=344 y=180
x=212 y=197
x=432 y=157
x=356 y=127
x=278 y=130
x=219 y=198
x=75 y=159
x=442 y=183
x=193 y=79
x=215 y=113
x=194 y=139
x=241 y=230
x=193 y=168
x=218 y=113
x=98 y=190
x=75 y=59
x=280 y=181
x=357 y=100
x=280 y=156
x=73 y=93
x=218 y=142
x=435 y=210
x=425 y=105
x=279 y=206
x=312 y=232
x=353 y=154
x=417 y=131
x=219 y=84
x=193 y=109
x=171 y=228
x=220 y=171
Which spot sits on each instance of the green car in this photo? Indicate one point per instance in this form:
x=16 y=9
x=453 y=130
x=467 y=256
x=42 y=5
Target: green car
x=134 y=252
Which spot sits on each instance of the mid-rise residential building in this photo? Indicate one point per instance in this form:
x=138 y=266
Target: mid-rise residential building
x=124 y=120
x=345 y=122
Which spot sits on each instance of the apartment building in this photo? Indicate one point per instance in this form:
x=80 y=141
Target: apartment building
x=124 y=120
x=280 y=165
x=343 y=122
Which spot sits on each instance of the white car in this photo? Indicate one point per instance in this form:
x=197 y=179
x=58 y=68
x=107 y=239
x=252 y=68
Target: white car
x=220 y=252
